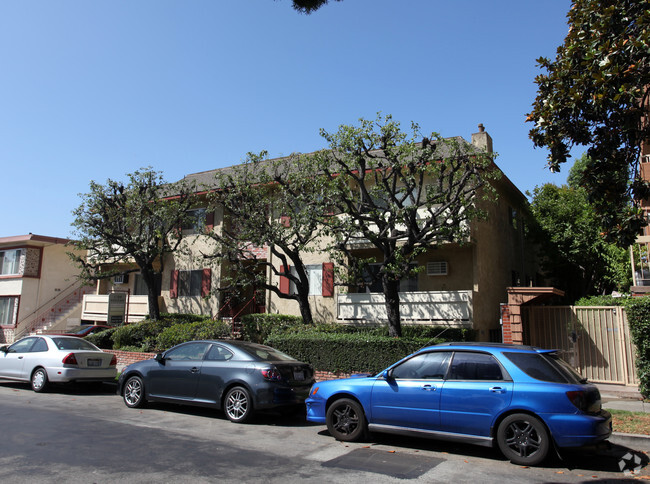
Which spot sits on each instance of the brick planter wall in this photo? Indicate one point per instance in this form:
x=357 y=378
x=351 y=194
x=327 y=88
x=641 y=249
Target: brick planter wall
x=125 y=358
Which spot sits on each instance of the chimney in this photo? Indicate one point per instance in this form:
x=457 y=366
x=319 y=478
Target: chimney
x=482 y=140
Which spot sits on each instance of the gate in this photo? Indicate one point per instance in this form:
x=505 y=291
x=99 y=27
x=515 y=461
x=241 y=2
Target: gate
x=594 y=340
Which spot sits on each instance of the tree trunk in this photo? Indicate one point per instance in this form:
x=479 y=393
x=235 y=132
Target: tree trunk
x=149 y=278
x=391 y=294
x=305 y=311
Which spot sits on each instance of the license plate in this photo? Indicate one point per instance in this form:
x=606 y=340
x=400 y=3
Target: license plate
x=94 y=362
x=299 y=375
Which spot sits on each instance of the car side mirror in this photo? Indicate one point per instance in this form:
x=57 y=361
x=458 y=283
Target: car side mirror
x=4 y=349
x=388 y=374
x=159 y=358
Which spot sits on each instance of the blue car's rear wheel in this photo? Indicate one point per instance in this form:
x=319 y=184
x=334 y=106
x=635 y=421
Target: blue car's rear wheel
x=523 y=439
x=346 y=420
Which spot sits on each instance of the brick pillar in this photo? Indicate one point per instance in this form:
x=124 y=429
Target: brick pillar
x=516 y=324
x=517 y=297
x=506 y=329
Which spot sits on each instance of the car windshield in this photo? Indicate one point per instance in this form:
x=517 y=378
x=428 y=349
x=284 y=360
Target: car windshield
x=74 y=344
x=265 y=353
x=545 y=367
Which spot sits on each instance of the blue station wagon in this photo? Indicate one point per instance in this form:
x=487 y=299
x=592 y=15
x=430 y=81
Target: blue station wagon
x=520 y=398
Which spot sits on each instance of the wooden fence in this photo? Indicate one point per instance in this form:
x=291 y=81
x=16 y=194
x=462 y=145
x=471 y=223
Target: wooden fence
x=595 y=340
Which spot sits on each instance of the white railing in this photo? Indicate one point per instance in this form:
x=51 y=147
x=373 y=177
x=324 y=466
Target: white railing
x=448 y=307
x=95 y=308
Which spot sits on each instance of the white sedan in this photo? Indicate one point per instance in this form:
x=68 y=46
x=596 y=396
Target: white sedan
x=43 y=359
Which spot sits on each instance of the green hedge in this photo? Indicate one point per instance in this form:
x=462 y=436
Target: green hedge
x=142 y=335
x=258 y=327
x=356 y=352
x=169 y=330
x=179 y=333
x=103 y=339
x=638 y=317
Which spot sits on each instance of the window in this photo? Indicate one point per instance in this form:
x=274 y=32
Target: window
x=315 y=277
x=190 y=351
x=425 y=366
x=7 y=310
x=74 y=344
x=437 y=268
x=10 y=261
x=22 y=346
x=195 y=222
x=475 y=366
x=39 y=346
x=320 y=279
x=218 y=353
x=189 y=283
x=547 y=367
x=140 y=288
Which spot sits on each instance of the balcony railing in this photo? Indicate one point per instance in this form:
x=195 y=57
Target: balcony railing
x=95 y=308
x=436 y=307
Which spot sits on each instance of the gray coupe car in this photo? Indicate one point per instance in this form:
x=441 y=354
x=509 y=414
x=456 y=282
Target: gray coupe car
x=236 y=376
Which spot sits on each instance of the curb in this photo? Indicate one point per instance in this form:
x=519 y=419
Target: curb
x=632 y=441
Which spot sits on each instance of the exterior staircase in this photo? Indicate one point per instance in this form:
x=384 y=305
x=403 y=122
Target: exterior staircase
x=54 y=311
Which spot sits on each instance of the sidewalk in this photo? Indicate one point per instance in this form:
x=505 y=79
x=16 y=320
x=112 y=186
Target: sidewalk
x=618 y=397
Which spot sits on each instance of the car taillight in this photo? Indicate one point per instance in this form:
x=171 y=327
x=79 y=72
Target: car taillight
x=578 y=398
x=70 y=359
x=113 y=361
x=271 y=374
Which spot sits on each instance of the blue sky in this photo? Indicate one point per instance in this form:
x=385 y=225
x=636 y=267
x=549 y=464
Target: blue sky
x=91 y=90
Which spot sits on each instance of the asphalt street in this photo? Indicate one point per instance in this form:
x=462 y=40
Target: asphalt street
x=83 y=435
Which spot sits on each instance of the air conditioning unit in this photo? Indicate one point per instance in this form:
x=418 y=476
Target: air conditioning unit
x=437 y=268
x=121 y=279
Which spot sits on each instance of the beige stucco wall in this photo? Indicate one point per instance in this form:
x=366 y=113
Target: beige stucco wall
x=57 y=276
x=191 y=256
x=499 y=249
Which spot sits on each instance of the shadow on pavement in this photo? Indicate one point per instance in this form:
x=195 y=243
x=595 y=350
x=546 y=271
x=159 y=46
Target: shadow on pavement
x=604 y=458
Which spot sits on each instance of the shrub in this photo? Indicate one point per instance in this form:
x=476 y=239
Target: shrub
x=355 y=352
x=605 y=300
x=103 y=339
x=638 y=316
x=257 y=327
x=138 y=334
x=179 y=333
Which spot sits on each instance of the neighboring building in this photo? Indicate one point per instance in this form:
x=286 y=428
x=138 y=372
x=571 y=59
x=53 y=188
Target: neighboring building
x=39 y=289
x=462 y=285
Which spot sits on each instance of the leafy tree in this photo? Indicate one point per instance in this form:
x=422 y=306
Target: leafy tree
x=400 y=194
x=139 y=222
x=577 y=258
x=309 y=6
x=595 y=94
x=276 y=204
